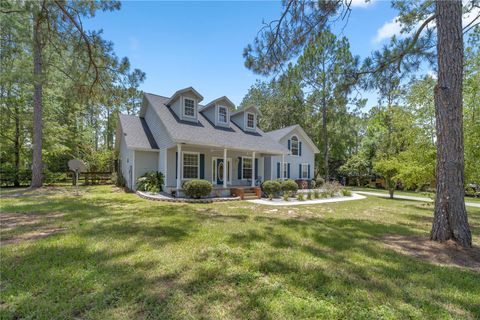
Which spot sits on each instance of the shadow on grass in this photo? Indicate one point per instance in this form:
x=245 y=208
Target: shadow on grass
x=114 y=263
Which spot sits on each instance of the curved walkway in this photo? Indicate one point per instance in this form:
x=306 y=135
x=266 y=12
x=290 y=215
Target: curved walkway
x=413 y=198
x=281 y=202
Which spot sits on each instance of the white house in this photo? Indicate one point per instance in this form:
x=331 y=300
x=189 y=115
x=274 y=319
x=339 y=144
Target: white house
x=217 y=142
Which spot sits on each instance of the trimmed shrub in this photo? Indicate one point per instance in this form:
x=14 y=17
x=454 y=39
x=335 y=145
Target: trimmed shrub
x=316 y=194
x=151 y=182
x=285 y=196
x=197 y=188
x=319 y=182
x=271 y=188
x=300 y=197
x=346 y=193
x=289 y=187
x=312 y=184
x=309 y=196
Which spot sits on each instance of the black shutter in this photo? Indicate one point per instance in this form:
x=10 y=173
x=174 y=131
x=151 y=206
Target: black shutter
x=202 y=166
x=278 y=170
x=256 y=168
x=239 y=168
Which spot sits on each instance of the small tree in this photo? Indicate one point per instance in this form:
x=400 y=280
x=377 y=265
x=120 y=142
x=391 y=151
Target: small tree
x=388 y=169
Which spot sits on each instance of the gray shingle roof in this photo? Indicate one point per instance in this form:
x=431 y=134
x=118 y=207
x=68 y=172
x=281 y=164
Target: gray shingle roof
x=206 y=133
x=136 y=132
x=280 y=133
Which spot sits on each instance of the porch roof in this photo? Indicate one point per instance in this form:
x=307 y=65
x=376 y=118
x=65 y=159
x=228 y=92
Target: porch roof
x=207 y=134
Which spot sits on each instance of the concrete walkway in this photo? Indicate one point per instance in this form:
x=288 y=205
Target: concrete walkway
x=294 y=202
x=424 y=199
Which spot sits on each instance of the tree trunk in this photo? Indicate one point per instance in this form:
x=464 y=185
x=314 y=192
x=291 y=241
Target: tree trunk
x=325 y=141
x=450 y=217
x=16 y=180
x=37 y=163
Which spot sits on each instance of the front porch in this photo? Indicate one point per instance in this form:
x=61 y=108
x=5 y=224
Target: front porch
x=231 y=172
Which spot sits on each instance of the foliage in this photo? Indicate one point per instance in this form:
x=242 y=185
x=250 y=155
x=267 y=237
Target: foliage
x=85 y=85
x=271 y=188
x=357 y=165
x=319 y=182
x=309 y=195
x=197 y=188
x=289 y=186
x=300 y=196
x=346 y=192
x=388 y=169
x=285 y=196
x=151 y=182
x=118 y=179
x=316 y=194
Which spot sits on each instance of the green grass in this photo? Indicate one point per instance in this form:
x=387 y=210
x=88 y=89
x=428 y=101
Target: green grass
x=406 y=193
x=122 y=257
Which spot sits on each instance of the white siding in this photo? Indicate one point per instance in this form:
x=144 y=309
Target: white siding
x=125 y=156
x=145 y=161
x=308 y=156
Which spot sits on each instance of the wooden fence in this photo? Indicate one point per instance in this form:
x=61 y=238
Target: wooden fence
x=7 y=178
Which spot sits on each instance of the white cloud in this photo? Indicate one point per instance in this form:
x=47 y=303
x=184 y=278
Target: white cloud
x=388 y=30
x=360 y=3
x=392 y=28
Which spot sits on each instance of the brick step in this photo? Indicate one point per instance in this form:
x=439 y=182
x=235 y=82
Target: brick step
x=250 y=197
x=249 y=194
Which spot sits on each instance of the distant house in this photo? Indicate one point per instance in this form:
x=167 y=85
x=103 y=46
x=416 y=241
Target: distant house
x=217 y=142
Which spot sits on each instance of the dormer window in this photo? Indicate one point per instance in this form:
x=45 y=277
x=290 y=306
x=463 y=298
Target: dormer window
x=222 y=114
x=189 y=108
x=294 y=147
x=250 y=120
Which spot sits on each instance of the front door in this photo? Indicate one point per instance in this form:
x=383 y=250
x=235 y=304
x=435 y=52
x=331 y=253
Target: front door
x=220 y=165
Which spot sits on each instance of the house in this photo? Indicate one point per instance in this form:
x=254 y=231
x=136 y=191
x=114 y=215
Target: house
x=186 y=140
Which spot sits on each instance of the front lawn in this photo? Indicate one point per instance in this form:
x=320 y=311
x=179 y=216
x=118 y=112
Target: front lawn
x=114 y=255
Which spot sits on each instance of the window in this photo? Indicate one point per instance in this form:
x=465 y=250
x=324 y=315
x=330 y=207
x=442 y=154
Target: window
x=222 y=114
x=246 y=168
x=285 y=170
x=191 y=165
x=304 y=172
x=250 y=120
x=189 y=108
x=294 y=146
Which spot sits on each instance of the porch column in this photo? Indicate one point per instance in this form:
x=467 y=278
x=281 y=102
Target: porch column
x=253 y=169
x=225 y=168
x=282 y=169
x=179 y=165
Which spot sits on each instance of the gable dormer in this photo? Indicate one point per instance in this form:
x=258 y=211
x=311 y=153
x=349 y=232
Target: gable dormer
x=218 y=111
x=185 y=104
x=246 y=118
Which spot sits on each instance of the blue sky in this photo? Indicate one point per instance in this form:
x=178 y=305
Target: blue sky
x=200 y=44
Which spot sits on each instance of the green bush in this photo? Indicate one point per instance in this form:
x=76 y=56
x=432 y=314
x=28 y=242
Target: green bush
x=289 y=186
x=197 y=188
x=271 y=188
x=316 y=194
x=151 y=182
x=309 y=196
x=285 y=196
x=346 y=193
x=300 y=197
x=325 y=194
x=319 y=182
x=312 y=184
